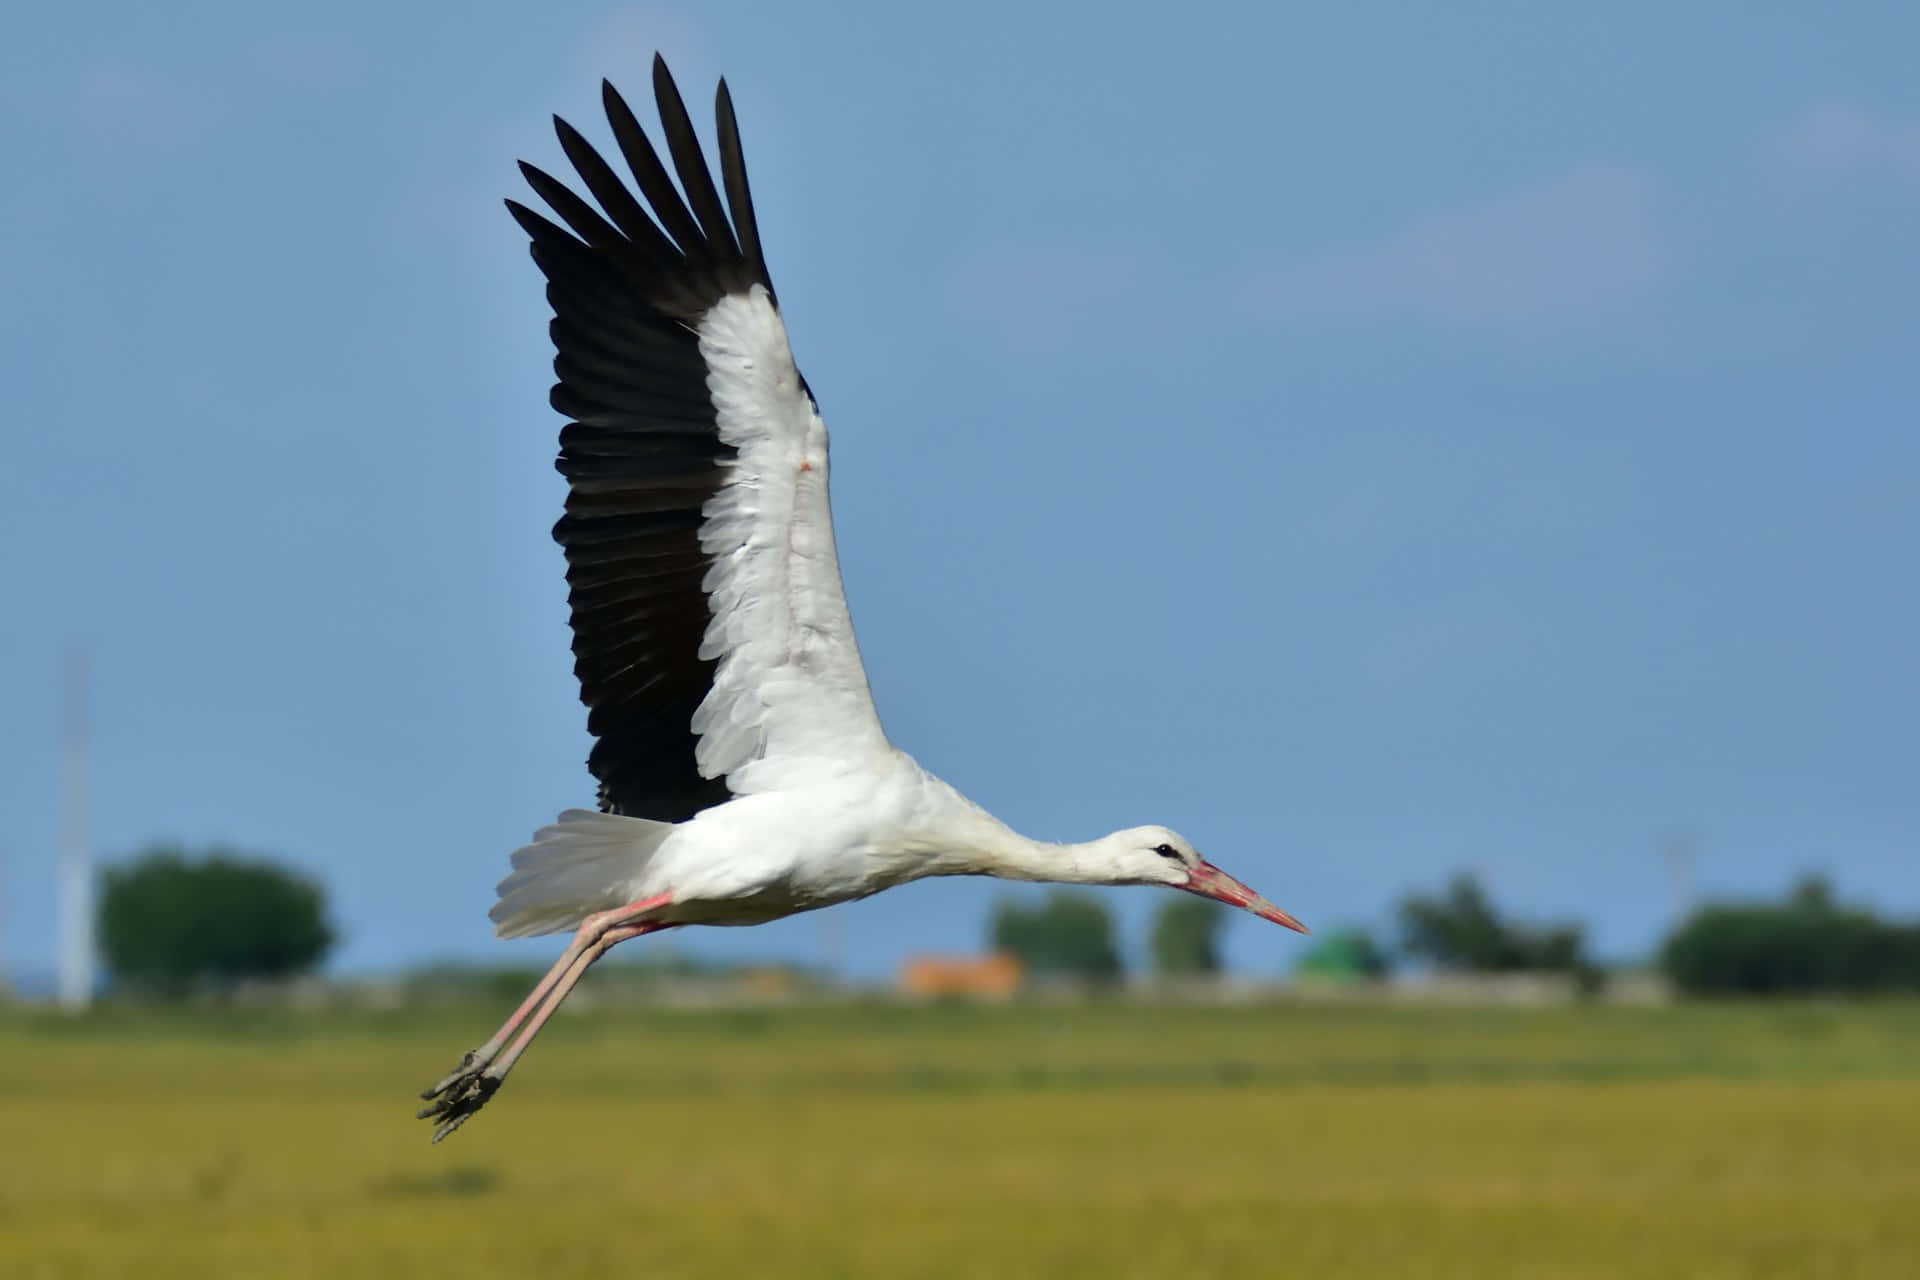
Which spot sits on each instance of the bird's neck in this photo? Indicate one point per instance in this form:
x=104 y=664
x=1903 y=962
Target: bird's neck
x=972 y=842
x=1024 y=859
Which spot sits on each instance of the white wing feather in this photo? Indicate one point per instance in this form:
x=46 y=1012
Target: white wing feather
x=789 y=693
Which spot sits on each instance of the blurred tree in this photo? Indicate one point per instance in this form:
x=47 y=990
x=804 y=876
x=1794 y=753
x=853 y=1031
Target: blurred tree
x=1806 y=943
x=1186 y=937
x=1067 y=934
x=1461 y=930
x=168 y=923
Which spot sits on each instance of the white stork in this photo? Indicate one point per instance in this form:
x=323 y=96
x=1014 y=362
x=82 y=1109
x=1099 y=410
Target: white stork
x=743 y=772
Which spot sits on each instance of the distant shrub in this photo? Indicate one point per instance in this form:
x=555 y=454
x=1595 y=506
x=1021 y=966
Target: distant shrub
x=169 y=923
x=1461 y=930
x=1068 y=934
x=1805 y=944
x=1186 y=937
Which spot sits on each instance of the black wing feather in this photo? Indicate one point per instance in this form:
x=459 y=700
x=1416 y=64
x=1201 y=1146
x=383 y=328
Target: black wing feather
x=733 y=171
x=658 y=188
x=629 y=284
x=627 y=215
x=691 y=164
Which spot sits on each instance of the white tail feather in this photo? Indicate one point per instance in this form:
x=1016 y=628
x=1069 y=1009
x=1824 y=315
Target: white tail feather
x=585 y=862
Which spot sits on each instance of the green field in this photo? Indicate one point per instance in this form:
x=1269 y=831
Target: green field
x=1028 y=1141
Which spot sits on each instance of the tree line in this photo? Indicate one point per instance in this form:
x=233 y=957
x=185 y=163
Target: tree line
x=1803 y=944
x=172 y=921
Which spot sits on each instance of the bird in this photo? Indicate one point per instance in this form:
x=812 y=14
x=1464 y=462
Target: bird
x=743 y=774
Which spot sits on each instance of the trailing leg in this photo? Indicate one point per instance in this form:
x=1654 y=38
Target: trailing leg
x=595 y=936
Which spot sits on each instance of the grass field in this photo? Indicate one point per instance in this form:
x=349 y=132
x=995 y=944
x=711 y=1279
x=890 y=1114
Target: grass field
x=957 y=1142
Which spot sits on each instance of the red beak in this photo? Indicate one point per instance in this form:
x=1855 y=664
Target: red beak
x=1210 y=881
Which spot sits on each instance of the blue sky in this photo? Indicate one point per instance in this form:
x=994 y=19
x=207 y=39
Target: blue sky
x=1375 y=440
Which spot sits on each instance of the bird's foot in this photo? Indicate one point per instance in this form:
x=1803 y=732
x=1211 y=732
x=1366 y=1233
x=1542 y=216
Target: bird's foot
x=458 y=1103
x=461 y=1092
x=475 y=1061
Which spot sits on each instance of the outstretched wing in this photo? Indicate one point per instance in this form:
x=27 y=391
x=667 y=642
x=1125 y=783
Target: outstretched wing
x=710 y=631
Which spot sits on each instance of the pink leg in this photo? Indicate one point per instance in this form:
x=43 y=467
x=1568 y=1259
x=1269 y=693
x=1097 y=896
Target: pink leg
x=584 y=937
x=473 y=1090
x=466 y=1089
x=607 y=942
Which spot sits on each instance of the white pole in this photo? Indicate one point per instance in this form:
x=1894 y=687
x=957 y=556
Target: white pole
x=1680 y=873
x=76 y=868
x=833 y=945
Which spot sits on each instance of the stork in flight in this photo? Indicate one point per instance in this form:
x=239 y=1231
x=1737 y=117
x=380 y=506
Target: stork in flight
x=743 y=772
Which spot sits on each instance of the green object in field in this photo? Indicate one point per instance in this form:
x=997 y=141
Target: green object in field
x=1346 y=955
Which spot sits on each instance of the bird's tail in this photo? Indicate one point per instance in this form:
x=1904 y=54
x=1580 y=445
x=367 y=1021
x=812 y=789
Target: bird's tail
x=585 y=862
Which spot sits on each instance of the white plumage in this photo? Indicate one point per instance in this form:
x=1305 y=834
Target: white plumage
x=790 y=688
x=744 y=774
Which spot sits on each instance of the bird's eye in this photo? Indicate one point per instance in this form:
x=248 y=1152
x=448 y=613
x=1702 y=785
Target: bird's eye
x=1166 y=851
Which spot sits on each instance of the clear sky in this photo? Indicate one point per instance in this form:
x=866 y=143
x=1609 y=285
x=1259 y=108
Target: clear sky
x=1376 y=440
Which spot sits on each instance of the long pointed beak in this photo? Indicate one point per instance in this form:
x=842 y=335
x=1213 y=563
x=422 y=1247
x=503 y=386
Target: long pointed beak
x=1210 y=881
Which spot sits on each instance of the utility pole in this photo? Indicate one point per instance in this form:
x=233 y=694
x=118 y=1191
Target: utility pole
x=832 y=926
x=1680 y=873
x=6 y=986
x=75 y=967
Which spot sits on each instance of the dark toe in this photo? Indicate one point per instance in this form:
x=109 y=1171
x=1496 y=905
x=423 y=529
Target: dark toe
x=454 y=1109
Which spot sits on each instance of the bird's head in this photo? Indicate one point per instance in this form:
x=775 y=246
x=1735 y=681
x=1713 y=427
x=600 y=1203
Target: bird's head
x=1156 y=855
